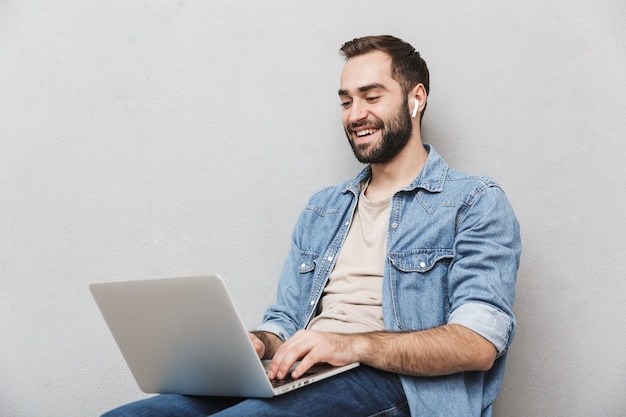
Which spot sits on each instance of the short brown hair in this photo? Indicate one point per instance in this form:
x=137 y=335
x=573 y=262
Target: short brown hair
x=408 y=68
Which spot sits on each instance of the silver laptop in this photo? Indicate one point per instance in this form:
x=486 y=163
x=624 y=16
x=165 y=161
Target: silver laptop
x=184 y=336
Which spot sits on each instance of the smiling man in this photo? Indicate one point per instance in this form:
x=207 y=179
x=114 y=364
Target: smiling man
x=409 y=269
x=374 y=141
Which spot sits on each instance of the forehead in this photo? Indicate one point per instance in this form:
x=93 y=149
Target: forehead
x=368 y=69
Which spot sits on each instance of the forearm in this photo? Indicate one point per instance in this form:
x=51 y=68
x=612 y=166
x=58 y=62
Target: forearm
x=440 y=351
x=271 y=342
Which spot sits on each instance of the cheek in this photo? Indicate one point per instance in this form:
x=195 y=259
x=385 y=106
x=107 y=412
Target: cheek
x=345 y=119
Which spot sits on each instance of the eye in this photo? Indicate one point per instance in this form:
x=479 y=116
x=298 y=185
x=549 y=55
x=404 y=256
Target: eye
x=345 y=104
x=372 y=99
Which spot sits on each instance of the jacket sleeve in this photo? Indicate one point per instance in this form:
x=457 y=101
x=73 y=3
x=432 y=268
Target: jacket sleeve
x=482 y=277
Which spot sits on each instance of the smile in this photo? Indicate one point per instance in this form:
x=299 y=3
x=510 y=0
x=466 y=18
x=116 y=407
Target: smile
x=366 y=132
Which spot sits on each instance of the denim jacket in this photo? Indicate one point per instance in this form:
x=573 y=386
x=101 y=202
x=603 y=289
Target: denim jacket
x=453 y=250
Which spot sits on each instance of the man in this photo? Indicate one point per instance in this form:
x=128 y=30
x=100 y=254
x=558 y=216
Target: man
x=408 y=269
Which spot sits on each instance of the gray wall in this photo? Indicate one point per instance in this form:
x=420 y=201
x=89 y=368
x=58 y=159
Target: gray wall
x=160 y=138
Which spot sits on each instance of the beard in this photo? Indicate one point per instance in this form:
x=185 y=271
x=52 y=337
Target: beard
x=395 y=134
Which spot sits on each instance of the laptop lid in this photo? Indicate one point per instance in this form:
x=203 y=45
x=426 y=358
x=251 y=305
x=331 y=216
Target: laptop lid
x=184 y=336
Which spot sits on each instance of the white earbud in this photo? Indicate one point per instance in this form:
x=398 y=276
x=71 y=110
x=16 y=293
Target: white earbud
x=417 y=104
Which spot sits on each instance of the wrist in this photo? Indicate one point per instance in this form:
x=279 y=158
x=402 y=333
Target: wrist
x=270 y=340
x=364 y=346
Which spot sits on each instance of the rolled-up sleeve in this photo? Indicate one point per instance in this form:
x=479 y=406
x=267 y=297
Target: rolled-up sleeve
x=487 y=321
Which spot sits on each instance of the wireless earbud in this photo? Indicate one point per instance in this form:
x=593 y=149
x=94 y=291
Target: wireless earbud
x=417 y=104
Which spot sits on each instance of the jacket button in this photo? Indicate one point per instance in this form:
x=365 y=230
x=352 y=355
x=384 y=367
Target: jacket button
x=422 y=264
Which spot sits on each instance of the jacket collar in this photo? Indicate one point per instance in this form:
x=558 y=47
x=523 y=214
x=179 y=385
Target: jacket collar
x=431 y=178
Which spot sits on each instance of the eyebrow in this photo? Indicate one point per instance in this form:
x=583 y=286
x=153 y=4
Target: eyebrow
x=364 y=89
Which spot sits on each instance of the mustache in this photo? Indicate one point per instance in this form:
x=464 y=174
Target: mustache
x=370 y=123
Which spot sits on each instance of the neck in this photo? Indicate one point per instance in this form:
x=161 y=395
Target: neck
x=392 y=176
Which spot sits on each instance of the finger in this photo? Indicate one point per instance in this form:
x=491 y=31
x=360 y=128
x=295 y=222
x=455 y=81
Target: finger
x=305 y=364
x=287 y=355
x=275 y=364
x=285 y=362
x=258 y=345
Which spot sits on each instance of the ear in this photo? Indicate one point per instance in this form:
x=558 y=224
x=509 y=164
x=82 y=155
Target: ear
x=417 y=93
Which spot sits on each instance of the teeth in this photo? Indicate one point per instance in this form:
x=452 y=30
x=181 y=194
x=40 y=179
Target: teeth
x=365 y=132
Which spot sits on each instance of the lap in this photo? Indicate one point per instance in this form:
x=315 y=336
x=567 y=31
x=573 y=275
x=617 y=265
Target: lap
x=173 y=405
x=362 y=391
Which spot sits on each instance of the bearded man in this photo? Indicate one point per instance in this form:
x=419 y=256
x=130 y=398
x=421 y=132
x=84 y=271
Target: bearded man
x=409 y=269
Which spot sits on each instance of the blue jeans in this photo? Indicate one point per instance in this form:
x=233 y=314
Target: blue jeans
x=363 y=391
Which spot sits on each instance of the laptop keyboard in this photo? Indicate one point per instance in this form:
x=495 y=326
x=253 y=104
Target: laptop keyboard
x=280 y=382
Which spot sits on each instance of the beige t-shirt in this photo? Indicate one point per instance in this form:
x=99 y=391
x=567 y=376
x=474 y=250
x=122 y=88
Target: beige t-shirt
x=352 y=299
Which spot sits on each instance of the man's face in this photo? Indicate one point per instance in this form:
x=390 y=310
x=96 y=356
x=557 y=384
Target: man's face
x=375 y=112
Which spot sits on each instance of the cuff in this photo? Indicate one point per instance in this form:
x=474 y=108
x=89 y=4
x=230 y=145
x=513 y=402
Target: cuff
x=489 y=322
x=273 y=328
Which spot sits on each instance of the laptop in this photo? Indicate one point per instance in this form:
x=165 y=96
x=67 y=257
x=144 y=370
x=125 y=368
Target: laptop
x=184 y=336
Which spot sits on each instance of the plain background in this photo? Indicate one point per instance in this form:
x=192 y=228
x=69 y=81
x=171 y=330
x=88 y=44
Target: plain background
x=143 y=139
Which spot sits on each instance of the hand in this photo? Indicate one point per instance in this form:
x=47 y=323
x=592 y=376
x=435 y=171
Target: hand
x=311 y=347
x=259 y=346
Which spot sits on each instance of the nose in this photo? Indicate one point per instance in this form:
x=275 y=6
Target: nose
x=357 y=112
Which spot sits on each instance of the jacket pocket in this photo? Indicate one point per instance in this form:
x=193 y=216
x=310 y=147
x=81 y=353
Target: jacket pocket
x=419 y=287
x=307 y=262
